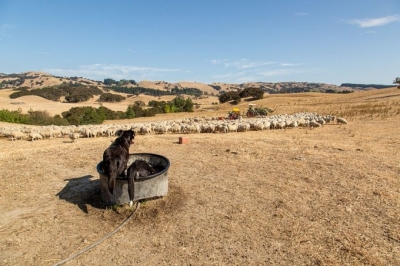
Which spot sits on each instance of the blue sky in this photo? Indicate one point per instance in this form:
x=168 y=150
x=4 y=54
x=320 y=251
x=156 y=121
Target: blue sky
x=330 y=41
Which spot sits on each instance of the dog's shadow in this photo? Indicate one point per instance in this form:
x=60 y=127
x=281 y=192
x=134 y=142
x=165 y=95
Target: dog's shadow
x=82 y=191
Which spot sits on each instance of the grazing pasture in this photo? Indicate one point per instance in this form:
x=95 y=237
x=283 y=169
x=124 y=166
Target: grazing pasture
x=294 y=196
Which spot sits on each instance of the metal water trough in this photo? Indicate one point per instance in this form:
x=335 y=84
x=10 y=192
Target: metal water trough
x=151 y=186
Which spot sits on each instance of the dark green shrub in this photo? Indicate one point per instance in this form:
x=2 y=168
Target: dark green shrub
x=83 y=116
x=110 y=97
x=230 y=96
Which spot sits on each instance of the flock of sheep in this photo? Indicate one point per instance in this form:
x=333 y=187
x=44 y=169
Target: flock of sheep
x=184 y=126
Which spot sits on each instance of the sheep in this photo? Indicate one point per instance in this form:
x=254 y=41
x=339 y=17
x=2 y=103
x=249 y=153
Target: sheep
x=281 y=125
x=65 y=132
x=232 y=127
x=207 y=128
x=341 y=120
x=145 y=130
x=17 y=135
x=267 y=125
x=258 y=126
x=244 y=127
x=222 y=128
x=35 y=136
x=47 y=133
x=74 y=136
x=88 y=133
x=176 y=128
x=202 y=125
x=314 y=123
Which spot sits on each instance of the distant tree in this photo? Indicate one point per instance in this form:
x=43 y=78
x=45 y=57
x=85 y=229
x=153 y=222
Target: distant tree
x=109 y=81
x=140 y=103
x=110 y=97
x=397 y=81
x=130 y=113
x=256 y=93
x=229 y=96
x=216 y=87
x=83 y=116
x=123 y=82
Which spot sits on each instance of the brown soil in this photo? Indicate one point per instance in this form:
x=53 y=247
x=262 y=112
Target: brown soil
x=325 y=196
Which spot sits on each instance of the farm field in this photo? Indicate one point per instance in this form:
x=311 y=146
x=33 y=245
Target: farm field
x=300 y=196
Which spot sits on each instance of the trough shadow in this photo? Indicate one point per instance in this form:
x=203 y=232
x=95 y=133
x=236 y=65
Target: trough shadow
x=82 y=191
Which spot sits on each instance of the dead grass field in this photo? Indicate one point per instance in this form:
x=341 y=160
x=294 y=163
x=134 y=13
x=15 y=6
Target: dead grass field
x=328 y=196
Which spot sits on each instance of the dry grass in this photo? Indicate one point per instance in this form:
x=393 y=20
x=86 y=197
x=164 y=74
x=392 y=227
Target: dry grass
x=328 y=196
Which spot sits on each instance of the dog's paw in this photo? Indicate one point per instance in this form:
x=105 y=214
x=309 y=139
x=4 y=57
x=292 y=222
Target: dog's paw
x=131 y=203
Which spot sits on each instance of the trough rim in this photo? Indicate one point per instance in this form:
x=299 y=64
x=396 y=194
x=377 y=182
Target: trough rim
x=98 y=167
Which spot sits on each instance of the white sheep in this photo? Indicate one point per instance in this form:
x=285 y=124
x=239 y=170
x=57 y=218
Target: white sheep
x=74 y=136
x=47 y=133
x=17 y=135
x=35 y=136
x=314 y=123
x=341 y=120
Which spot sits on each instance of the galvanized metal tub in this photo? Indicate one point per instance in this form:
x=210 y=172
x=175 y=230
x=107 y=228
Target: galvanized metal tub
x=152 y=186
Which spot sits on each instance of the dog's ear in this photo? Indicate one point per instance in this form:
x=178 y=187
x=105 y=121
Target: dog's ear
x=119 y=132
x=132 y=136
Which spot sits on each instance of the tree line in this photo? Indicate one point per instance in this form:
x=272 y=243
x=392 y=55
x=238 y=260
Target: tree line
x=73 y=92
x=235 y=97
x=363 y=86
x=89 y=115
x=155 y=92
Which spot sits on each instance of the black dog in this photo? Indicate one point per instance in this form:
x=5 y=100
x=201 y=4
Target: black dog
x=115 y=157
x=138 y=168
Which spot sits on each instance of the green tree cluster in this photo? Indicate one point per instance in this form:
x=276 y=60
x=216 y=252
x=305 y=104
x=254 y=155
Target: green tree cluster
x=154 y=92
x=397 y=81
x=235 y=97
x=41 y=118
x=72 y=92
x=363 y=86
x=232 y=96
x=110 y=97
x=256 y=93
x=89 y=115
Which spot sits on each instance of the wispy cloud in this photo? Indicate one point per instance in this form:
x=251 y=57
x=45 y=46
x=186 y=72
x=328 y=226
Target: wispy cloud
x=281 y=72
x=292 y=64
x=301 y=14
x=5 y=29
x=374 y=22
x=244 y=70
x=101 y=71
x=240 y=64
x=7 y=26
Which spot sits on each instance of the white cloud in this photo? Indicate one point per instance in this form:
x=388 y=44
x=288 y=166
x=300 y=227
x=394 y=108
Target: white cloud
x=281 y=72
x=240 y=64
x=7 y=26
x=374 y=22
x=5 y=29
x=292 y=64
x=101 y=71
x=247 y=70
x=301 y=14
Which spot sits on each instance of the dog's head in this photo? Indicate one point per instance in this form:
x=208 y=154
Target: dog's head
x=128 y=135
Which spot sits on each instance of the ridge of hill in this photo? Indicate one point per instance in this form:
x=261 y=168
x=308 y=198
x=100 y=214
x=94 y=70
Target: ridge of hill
x=35 y=80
